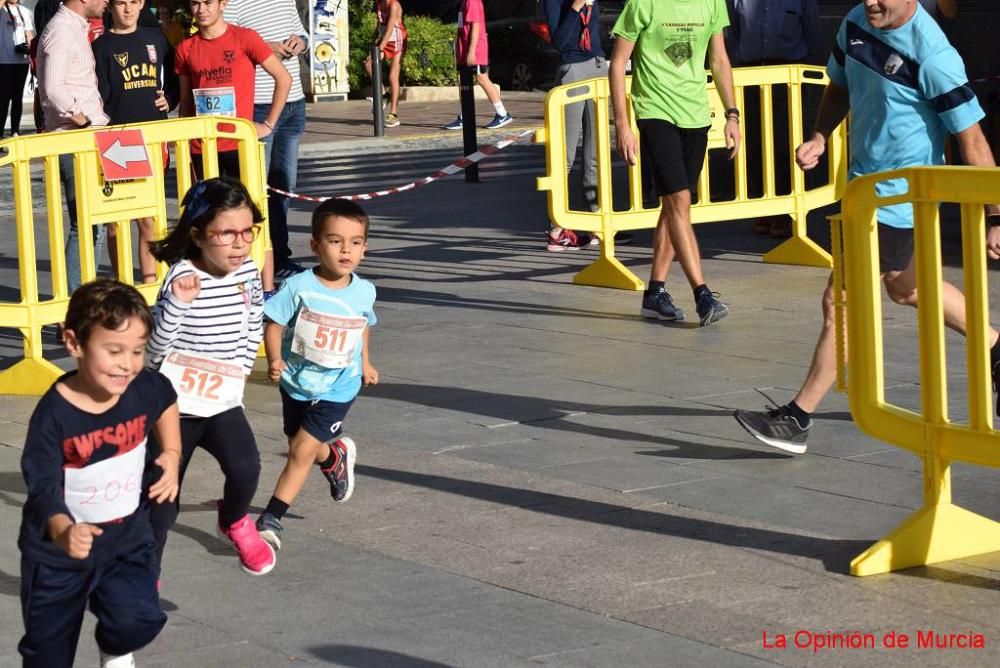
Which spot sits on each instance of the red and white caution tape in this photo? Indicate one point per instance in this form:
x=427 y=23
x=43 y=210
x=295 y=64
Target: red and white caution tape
x=450 y=170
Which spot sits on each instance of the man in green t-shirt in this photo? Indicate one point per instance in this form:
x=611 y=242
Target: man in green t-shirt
x=669 y=94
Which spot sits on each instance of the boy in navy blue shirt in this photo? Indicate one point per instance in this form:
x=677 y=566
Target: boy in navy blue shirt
x=85 y=534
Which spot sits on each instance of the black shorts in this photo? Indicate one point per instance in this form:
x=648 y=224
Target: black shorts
x=322 y=420
x=895 y=248
x=676 y=155
x=475 y=69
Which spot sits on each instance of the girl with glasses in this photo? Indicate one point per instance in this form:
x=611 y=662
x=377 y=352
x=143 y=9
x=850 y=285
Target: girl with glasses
x=208 y=325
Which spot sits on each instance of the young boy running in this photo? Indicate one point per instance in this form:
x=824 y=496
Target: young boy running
x=135 y=75
x=316 y=339
x=85 y=534
x=217 y=69
x=472 y=52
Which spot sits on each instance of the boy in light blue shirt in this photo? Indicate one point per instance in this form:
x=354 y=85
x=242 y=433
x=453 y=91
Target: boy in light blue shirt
x=316 y=338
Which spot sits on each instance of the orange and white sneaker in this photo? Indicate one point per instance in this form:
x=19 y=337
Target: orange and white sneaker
x=256 y=556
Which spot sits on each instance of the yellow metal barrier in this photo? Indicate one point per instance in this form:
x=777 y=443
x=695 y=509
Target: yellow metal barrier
x=607 y=271
x=939 y=530
x=98 y=202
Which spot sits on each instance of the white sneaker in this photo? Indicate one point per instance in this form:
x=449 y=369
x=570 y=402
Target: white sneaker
x=112 y=661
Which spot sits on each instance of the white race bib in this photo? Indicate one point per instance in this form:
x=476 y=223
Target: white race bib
x=205 y=386
x=327 y=340
x=108 y=490
x=217 y=101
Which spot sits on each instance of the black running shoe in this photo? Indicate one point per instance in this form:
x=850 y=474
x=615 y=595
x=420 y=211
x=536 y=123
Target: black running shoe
x=710 y=309
x=776 y=427
x=660 y=305
x=269 y=527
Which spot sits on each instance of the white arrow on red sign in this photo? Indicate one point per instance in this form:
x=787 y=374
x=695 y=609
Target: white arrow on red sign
x=123 y=154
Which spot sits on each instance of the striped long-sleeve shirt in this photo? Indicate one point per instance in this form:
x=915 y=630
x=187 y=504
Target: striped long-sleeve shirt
x=225 y=321
x=274 y=22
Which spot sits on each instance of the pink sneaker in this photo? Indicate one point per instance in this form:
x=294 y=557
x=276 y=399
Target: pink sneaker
x=569 y=240
x=256 y=556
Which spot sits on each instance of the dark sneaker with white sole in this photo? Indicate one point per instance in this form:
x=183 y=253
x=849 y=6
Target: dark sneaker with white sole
x=269 y=527
x=776 y=427
x=710 y=309
x=660 y=306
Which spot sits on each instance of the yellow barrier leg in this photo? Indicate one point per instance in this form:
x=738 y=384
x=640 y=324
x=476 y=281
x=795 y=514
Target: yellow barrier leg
x=940 y=531
x=607 y=271
x=33 y=375
x=800 y=249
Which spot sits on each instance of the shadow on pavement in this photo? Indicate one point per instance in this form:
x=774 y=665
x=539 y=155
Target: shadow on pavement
x=548 y=413
x=363 y=657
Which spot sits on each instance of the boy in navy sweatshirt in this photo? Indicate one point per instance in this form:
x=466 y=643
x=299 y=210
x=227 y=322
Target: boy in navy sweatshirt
x=85 y=534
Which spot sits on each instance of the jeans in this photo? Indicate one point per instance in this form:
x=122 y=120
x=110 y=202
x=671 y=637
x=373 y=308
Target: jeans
x=281 y=162
x=73 y=277
x=580 y=118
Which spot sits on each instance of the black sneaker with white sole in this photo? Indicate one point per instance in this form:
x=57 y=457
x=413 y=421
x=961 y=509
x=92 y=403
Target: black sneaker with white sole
x=660 y=305
x=776 y=427
x=269 y=527
x=710 y=309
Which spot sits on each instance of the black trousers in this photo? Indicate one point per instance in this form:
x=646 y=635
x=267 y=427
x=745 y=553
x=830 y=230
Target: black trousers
x=121 y=593
x=12 y=78
x=227 y=437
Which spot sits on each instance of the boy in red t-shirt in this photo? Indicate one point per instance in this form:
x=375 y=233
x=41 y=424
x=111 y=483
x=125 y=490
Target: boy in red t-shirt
x=472 y=52
x=217 y=67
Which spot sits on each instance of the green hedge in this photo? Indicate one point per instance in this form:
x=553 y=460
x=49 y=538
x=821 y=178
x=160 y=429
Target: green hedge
x=430 y=54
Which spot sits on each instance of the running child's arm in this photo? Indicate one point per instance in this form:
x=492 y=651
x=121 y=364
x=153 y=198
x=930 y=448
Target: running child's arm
x=272 y=346
x=171 y=307
x=282 y=84
x=42 y=467
x=75 y=538
x=255 y=330
x=369 y=374
x=168 y=434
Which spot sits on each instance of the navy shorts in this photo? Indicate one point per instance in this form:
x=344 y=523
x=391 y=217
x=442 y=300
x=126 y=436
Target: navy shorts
x=895 y=248
x=323 y=420
x=675 y=154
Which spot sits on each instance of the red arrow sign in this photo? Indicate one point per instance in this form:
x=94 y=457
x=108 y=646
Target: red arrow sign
x=123 y=155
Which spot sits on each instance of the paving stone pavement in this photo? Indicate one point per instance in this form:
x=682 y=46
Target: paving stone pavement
x=546 y=479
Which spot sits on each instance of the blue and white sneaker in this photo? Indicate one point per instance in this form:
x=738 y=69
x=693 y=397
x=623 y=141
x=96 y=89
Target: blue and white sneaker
x=499 y=121
x=454 y=125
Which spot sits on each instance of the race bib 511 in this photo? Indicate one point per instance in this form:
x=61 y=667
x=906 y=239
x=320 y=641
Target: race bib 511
x=327 y=340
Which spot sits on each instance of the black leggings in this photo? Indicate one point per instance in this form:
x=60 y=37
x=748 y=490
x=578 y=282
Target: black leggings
x=227 y=437
x=12 y=78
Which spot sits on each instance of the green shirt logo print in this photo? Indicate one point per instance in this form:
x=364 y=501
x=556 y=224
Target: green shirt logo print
x=679 y=53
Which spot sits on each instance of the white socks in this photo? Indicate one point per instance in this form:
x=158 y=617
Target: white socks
x=500 y=109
